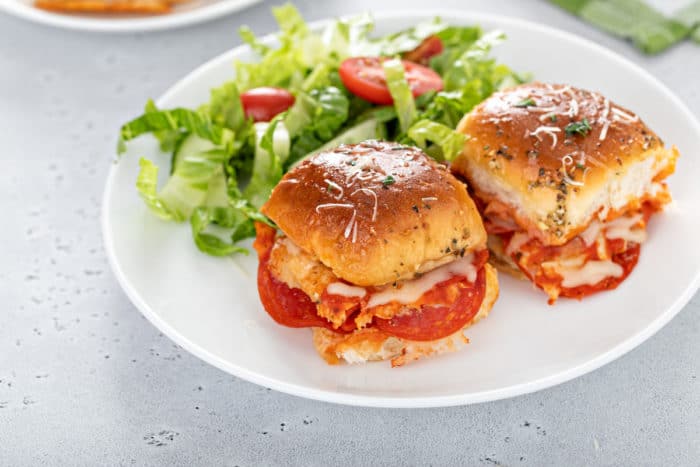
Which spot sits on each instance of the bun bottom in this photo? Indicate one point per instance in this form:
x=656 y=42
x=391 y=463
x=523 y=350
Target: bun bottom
x=371 y=344
x=501 y=261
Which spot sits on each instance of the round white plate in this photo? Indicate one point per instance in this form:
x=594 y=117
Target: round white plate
x=191 y=12
x=210 y=306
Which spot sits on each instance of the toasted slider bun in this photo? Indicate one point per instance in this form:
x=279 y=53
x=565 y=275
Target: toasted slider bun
x=376 y=212
x=556 y=183
x=381 y=251
x=566 y=181
x=499 y=258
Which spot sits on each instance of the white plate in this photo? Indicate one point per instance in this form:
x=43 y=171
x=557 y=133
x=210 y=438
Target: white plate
x=210 y=306
x=191 y=12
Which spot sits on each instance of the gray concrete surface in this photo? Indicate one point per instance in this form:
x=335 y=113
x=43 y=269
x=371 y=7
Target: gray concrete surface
x=85 y=380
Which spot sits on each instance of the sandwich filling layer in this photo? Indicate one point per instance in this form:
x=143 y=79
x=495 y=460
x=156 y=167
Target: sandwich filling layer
x=598 y=258
x=297 y=290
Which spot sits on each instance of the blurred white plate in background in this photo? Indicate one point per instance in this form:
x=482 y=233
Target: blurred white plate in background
x=186 y=13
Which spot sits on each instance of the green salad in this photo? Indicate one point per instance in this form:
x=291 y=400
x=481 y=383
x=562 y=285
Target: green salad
x=310 y=90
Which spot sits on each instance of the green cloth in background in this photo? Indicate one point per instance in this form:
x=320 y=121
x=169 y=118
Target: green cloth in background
x=650 y=30
x=690 y=16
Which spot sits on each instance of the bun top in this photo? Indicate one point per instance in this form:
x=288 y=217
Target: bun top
x=554 y=149
x=376 y=212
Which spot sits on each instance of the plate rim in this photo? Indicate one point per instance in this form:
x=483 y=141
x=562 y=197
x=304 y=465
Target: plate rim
x=350 y=399
x=125 y=25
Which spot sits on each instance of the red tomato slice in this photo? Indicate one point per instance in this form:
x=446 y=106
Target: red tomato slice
x=364 y=77
x=262 y=104
x=426 y=50
x=432 y=322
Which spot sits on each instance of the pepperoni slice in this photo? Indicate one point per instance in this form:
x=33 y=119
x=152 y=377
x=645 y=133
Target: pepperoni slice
x=627 y=259
x=430 y=322
x=623 y=253
x=287 y=306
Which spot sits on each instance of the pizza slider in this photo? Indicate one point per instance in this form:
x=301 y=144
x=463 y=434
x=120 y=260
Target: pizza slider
x=380 y=250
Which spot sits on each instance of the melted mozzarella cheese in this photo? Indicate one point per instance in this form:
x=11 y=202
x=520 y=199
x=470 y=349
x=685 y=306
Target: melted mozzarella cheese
x=345 y=290
x=516 y=241
x=590 y=274
x=624 y=228
x=591 y=233
x=412 y=290
x=292 y=247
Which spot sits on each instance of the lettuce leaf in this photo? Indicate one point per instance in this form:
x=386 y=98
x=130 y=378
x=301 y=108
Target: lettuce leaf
x=287 y=65
x=455 y=40
x=344 y=38
x=225 y=107
x=314 y=119
x=372 y=128
x=271 y=151
x=147 y=187
x=402 y=41
x=400 y=92
x=475 y=63
x=169 y=139
x=179 y=119
x=223 y=217
x=322 y=111
x=189 y=185
x=470 y=75
x=449 y=141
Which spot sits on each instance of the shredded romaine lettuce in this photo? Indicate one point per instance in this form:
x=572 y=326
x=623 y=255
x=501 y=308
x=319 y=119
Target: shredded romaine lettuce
x=449 y=141
x=272 y=149
x=400 y=92
x=402 y=41
x=372 y=128
x=474 y=63
x=188 y=186
x=225 y=107
x=179 y=119
x=224 y=166
x=224 y=217
x=314 y=119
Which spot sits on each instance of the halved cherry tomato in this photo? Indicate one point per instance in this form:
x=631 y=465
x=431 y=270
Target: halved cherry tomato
x=427 y=49
x=364 y=77
x=262 y=104
x=430 y=322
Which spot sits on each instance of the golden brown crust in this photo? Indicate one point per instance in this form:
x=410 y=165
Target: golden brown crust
x=371 y=344
x=519 y=148
x=375 y=212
